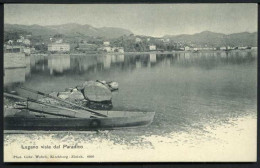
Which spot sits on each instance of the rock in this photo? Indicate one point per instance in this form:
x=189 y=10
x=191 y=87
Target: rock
x=76 y=95
x=54 y=94
x=113 y=85
x=103 y=82
x=80 y=87
x=74 y=90
x=64 y=95
x=68 y=89
x=96 y=91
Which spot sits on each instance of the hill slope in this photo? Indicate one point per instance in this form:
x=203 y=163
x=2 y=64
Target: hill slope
x=217 y=39
x=70 y=29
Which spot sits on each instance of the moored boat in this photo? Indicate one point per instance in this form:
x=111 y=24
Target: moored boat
x=36 y=115
x=115 y=119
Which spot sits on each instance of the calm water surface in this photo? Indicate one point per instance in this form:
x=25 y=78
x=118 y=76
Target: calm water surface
x=187 y=90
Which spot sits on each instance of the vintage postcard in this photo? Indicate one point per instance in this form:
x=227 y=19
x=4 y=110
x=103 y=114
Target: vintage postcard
x=130 y=82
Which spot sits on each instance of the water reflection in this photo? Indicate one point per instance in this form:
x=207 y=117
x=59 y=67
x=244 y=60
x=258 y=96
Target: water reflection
x=183 y=88
x=152 y=58
x=106 y=61
x=71 y=65
x=28 y=66
x=58 y=63
x=15 y=75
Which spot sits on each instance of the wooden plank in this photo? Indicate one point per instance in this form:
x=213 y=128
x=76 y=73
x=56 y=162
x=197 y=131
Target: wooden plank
x=64 y=101
x=57 y=111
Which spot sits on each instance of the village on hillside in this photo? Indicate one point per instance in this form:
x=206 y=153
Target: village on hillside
x=58 y=43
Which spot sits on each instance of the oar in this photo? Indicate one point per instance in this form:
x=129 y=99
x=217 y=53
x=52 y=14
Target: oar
x=36 y=101
x=44 y=112
x=64 y=101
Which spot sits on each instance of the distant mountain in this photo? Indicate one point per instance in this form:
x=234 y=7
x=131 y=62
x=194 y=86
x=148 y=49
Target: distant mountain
x=217 y=39
x=70 y=29
x=75 y=32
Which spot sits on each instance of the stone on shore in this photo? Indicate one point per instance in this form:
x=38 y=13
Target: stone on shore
x=113 y=86
x=54 y=94
x=76 y=95
x=68 y=89
x=96 y=91
x=80 y=87
x=64 y=95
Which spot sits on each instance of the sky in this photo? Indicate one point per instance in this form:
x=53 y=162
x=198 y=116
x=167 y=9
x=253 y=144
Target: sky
x=142 y=19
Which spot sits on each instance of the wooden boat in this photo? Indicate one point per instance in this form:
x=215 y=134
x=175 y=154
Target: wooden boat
x=35 y=115
x=115 y=119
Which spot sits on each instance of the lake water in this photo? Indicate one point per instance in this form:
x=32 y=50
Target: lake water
x=188 y=91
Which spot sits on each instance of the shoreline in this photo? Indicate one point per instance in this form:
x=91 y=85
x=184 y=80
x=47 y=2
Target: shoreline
x=144 y=53
x=224 y=139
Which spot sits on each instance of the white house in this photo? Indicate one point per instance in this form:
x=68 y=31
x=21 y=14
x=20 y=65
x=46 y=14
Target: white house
x=10 y=41
x=242 y=48
x=119 y=49
x=59 y=41
x=223 y=48
x=108 y=49
x=27 y=50
x=60 y=47
x=106 y=43
x=152 y=47
x=19 y=40
x=23 y=40
x=27 y=41
x=187 y=48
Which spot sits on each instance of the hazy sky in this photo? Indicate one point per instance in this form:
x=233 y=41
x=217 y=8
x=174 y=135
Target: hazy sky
x=142 y=19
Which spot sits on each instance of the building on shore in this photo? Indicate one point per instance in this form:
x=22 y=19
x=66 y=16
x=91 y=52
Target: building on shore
x=119 y=49
x=13 y=49
x=107 y=49
x=24 y=41
x=18 y=49
x=106 y=43
x=112 y=49
x=166 y=40
x=59 y=47
x=222 y=48
x=152 y=47
x=187 y=48
x=225 y=48
x=27 y=50
x=242 y=48
x=10 y=42
x=27 y=42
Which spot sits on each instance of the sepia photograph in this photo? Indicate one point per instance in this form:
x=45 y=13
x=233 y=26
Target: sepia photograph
x=130 y=82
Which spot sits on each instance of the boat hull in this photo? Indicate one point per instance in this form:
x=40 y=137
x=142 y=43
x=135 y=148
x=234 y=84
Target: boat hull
x=113 y=121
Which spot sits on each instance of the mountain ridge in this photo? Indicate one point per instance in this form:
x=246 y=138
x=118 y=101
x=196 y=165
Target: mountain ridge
x=68 y=29
x=216 y=39
x=72 y=30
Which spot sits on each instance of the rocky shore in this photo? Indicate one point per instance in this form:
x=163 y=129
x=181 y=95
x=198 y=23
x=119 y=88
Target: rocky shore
x=96 y=95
